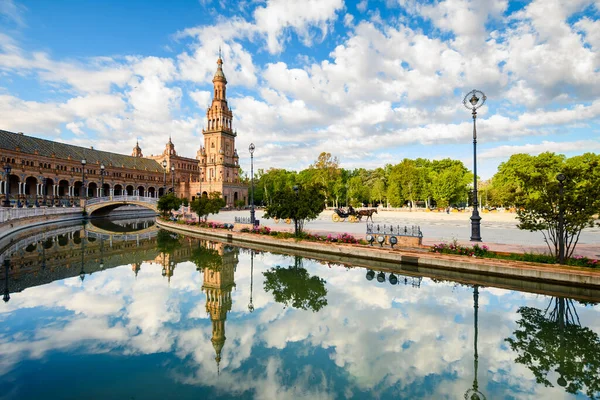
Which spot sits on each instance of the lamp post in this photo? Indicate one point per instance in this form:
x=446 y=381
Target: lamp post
x=102 y=172
x=251 y=149
x=83 y=162
x=7 y=185
x=173 y=178
x=164 y=164
x=296 y=190
x=561 y=218
x=44 y=181
x=472 y=101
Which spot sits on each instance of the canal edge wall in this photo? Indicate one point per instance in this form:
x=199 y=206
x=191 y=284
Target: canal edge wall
x=574 y=276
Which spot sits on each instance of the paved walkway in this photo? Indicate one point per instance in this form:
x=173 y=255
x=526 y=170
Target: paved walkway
x=498 y=230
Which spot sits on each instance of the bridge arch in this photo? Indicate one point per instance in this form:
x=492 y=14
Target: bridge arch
x=107 y=204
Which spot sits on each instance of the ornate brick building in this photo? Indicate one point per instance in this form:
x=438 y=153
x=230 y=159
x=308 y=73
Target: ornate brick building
x=38 y=171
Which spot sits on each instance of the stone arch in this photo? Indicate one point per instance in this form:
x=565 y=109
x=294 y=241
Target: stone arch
x=204 y=194
x=48 y=191
x=105 y=190
x=141 y=190
x=129 y=190
x=151 y=191
x=29 y=190
x=63 y=188
x=161 y=191
x=78 y=189
x=235 y=197
x=118 y=190
x=91 y=189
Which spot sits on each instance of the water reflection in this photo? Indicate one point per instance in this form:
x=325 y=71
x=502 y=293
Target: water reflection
x=175 y=317
x=294 y=286
x=553 y=343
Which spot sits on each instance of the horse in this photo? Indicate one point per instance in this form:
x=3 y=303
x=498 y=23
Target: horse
x=367 y=213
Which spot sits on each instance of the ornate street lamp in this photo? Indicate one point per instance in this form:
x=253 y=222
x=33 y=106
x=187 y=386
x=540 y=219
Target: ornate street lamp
x=7 y=187
x=472 y=101
x=561 y=218
x=250 y=305
x=164 y=164
x=173 y=178
x=83 y=162
x=251 y=149
x=44 y=181
x=102 y=173
x=296 y=189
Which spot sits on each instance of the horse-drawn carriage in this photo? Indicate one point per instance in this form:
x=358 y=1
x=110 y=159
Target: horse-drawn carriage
x=352 y=215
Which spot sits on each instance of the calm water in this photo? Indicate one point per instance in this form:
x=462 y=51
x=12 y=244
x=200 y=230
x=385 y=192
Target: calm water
x=155 y=315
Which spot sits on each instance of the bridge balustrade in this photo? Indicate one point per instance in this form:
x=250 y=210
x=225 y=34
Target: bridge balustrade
x=124 y=198
x=9 y=214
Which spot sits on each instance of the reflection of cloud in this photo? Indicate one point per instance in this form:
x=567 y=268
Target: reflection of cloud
x=387 y=339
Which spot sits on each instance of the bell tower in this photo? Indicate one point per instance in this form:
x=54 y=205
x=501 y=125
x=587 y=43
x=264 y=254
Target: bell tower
x=218 y=157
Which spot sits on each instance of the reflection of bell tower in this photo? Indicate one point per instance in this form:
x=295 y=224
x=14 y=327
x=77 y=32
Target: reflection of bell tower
x=217 y=285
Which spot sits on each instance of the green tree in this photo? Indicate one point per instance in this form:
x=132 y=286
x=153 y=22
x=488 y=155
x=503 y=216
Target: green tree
x=539 y=198
x=554 y=341
x=326 y=171
x=293 y=286
x=210 y=204
x=204 y=257
x=305 y=204
x=167 y=242
x=167 y=203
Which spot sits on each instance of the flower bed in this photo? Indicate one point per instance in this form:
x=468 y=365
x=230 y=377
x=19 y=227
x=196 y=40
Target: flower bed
x=340 y=238
x=483 y=251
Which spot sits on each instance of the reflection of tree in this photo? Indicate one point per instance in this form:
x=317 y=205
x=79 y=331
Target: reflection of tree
x=167 y=242
x=293 y=286
x=204 y=257
x=554 y=340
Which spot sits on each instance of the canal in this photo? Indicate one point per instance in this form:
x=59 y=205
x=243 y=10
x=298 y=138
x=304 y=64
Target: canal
x=118 y=309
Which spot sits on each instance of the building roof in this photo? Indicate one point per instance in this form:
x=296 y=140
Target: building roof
x=47 y=148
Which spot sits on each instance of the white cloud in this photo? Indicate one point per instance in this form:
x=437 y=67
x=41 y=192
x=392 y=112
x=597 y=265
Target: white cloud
x=12 y=12
x=579 y=146
x=279 y=15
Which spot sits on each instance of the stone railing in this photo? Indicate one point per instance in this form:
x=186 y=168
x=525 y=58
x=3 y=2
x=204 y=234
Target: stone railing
x=144 y=199
x=10 y=214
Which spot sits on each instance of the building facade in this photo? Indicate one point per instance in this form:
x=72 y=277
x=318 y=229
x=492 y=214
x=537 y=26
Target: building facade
x=42 y=172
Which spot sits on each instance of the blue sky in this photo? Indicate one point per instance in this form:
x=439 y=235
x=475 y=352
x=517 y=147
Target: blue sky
x=371 y=82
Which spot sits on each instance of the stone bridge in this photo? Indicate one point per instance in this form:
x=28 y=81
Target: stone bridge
x=108 y=203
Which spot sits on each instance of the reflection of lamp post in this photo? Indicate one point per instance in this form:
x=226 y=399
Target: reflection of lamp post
x=164 y=164
x=474 y=393
x=473 y=100
x=250 y=305
x=251 y=149
x=7 y=187
x=82 y=272
x=83 y=162
x=561 y=218
x=6 y=296
x=101 y=251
